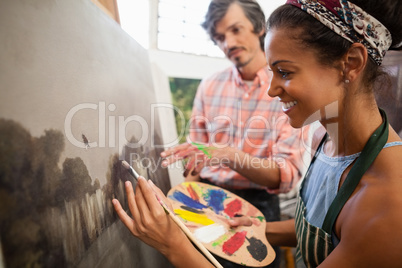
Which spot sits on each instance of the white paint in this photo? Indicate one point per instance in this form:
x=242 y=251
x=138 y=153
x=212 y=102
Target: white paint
x=209 y=233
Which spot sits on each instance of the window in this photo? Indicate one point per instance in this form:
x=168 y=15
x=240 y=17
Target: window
x=179 y=24
x=134 y=19
x=179 y=27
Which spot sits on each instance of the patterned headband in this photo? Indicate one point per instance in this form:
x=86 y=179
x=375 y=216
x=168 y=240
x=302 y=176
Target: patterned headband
x=350 y=22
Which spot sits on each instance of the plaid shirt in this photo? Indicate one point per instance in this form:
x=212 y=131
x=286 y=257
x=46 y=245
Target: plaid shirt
x=227 y=112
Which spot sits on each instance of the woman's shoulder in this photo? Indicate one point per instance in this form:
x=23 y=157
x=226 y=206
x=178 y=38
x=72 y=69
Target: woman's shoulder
x=388 y=164
x=383 y=180
x=372 y=215
x=378 y=198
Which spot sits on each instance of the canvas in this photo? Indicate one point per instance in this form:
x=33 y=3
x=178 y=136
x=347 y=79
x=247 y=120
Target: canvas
x=77 y=98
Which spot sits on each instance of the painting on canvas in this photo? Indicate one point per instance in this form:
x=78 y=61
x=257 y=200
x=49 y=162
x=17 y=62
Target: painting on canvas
x=76 y=99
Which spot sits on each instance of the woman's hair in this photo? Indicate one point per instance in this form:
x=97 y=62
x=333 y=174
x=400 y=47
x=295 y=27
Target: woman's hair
x=218 y=8
x=329 y=47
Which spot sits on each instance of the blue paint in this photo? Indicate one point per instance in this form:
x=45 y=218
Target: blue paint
x=186 y=200
x=215 y=199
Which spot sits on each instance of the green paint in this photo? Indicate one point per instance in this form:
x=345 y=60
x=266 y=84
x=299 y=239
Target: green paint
x=203 y=148
x=260 y=218
x=219 y=242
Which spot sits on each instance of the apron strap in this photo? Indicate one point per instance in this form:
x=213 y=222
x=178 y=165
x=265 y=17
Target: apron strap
x=313 y=159
x=370 y=151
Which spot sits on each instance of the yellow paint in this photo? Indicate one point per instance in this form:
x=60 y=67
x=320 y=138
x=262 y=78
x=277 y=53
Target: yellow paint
x=193 y=217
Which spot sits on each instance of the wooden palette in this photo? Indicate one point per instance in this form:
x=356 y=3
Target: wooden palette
x=205 y=210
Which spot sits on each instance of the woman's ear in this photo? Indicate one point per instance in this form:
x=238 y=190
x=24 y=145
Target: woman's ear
x=355 y=61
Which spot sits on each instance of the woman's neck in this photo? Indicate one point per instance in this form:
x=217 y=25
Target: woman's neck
x=349 y=133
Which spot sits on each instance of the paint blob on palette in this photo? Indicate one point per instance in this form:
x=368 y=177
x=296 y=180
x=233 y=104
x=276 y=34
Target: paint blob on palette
x=206 y=209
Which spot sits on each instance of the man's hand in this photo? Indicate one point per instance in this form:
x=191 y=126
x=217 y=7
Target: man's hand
x=197 y=156
x=240 y=221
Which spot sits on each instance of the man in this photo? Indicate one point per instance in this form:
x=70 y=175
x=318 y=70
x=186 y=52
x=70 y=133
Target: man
x=236 y=122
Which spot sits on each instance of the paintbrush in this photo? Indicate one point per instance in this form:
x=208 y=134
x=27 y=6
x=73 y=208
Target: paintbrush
x=179 y=223
x=130 y=169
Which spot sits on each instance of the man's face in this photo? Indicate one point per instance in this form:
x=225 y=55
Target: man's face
x=235 y=37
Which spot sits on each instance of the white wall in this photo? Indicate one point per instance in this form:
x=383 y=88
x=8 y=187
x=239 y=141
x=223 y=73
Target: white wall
x=186 y=65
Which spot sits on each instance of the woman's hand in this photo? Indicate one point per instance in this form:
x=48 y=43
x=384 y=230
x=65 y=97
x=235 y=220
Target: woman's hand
x=149 y=222
x=152 y=225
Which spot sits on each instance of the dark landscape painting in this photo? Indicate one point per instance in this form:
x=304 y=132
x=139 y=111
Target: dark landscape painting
x=76 y=96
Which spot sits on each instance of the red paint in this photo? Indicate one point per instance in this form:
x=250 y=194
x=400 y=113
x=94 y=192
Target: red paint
x=233 y=207
x=234 y=243
x=192 y=193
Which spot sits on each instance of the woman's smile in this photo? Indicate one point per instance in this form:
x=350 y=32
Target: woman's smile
x=286 y=106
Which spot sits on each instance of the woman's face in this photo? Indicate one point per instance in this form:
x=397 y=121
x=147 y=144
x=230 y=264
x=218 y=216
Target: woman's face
x=305 y=87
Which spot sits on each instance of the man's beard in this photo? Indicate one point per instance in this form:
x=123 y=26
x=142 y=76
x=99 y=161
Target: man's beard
x=239 y=63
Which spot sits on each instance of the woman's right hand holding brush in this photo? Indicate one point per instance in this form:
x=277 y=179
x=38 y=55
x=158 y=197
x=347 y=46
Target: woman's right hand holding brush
x=152 y=225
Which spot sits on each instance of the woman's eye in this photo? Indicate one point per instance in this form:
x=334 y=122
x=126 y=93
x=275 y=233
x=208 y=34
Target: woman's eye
x=284 y=74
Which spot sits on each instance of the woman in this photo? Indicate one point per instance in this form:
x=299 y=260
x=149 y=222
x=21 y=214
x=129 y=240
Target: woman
x=325 y=57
